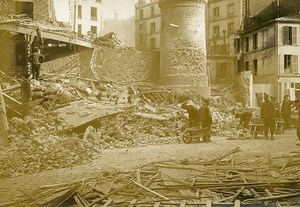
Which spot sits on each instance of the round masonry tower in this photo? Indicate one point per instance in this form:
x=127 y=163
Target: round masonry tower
x=183 y=45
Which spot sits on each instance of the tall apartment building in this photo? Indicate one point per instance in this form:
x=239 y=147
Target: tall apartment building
x=147 y=25
x=224 y=19
x=271 y=47
x=86 y=16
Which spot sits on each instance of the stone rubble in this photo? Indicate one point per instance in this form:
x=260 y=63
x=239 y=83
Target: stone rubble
x=42 y=141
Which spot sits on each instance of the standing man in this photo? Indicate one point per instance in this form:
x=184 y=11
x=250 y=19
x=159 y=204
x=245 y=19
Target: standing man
x=36 y=59
x=286 y=112
x=277 y=106
x=205 y=118
x=267 y=113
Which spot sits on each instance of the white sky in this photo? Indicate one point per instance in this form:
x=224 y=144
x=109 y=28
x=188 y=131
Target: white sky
x=125 y=9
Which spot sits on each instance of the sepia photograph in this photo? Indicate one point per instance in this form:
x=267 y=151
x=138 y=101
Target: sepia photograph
x=149 y=103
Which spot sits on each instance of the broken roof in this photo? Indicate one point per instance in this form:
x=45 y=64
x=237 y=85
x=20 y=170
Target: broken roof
x=28 y=26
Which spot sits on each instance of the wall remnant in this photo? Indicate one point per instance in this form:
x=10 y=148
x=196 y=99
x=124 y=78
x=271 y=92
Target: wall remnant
x=121 y=65
x=183 y=45
x=246 y=86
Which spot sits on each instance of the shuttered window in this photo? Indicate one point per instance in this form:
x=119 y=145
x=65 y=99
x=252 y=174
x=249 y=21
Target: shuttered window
x=291 y=35
x=295 y=63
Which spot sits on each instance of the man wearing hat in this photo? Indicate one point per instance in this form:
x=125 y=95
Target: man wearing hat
x=192 y=112
x=286 y=112
x=205 y=115
x=267 y=113
x=277 y=106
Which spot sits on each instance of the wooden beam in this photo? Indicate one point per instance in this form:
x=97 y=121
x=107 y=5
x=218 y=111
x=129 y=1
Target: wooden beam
x=47 y=34
x=138 y=176
x=151 y=191
x=237 y=203
x=3 y=122
x=209 y=203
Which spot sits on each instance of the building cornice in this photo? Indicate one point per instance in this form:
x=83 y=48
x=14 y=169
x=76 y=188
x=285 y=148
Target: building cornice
x=168 y=3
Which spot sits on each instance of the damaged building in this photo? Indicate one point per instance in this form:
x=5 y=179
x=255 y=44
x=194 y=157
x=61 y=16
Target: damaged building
x=157 y=125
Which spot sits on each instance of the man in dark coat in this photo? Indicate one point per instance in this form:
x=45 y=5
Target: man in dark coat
x=205 y=115
x=245 y=118
x=205 y=118
x=286 y=112
x=267 y=113
x=36 y=59
x=192 y=112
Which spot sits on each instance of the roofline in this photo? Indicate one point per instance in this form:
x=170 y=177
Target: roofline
x=277 y=20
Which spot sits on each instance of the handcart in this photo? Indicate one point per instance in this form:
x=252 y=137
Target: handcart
x=196 y=134
x=279 y=125
x=256 y=127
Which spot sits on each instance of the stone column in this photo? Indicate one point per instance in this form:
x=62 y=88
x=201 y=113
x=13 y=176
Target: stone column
x=183 y=45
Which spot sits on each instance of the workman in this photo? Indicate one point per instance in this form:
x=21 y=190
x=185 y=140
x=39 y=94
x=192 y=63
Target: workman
x=245 y=118
x=192 y=112
x=36 y=59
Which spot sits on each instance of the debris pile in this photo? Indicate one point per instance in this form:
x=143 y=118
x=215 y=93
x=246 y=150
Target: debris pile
x=110 y=39
x=44 y=153
x=225 y=180
x=139 y=127
x=125 y=116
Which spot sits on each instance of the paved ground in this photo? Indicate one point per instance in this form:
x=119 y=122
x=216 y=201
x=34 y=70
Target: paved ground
x=130 y=158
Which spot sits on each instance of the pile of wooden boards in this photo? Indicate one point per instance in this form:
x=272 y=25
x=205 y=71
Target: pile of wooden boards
x=226 y=180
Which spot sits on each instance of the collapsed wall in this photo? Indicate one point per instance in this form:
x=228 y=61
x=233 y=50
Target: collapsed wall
x=183 y=45
x=120 y=65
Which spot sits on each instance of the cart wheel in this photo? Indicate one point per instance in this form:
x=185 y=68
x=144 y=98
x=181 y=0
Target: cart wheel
x=187 y=137
x=255 y=133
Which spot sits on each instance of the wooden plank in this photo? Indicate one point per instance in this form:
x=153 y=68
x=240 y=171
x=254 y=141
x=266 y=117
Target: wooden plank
x=132 y=203
x=138 y=176
x=58 y=201
x=271 y=194
x=109 y=194
x=151 y=191
x=269 y=198
x=237 y=203
x=77 y=200
x=183 y=204
x=208 y=203
x=107 y=203
x=3 y=122
x=157 y=204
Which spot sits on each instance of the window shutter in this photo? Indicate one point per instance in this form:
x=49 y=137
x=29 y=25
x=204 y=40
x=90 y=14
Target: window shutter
x=294 y=42
x=281 y=64
x=298 y=35
x=285 y=35
x=295 y=63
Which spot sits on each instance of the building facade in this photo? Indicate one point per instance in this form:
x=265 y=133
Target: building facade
x=271 y=53
x=86 y=16
x=224 y=19
x=147 y=25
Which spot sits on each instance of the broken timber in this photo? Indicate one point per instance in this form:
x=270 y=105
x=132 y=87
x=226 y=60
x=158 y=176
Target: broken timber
x=3 y=122
x=13 y=26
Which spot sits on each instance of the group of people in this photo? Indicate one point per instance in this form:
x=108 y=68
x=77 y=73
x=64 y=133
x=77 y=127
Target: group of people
x=198 y=117
x=269 y=111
